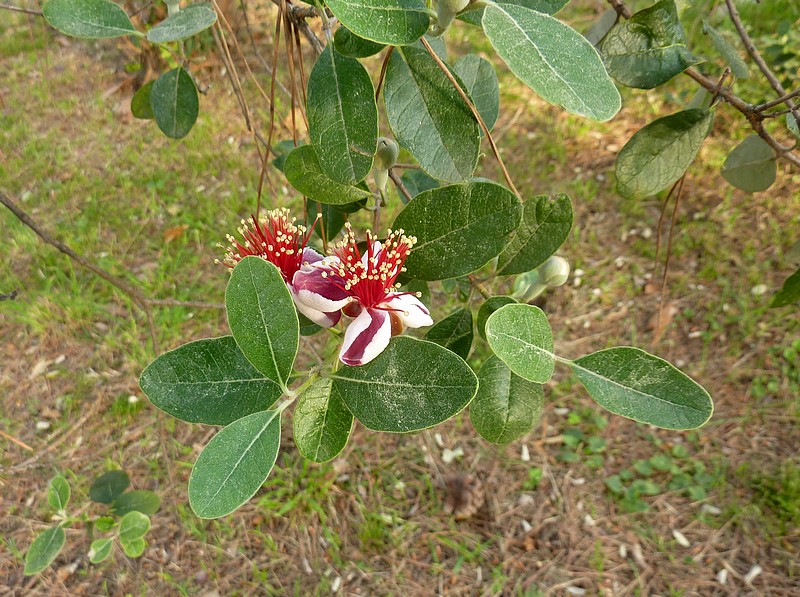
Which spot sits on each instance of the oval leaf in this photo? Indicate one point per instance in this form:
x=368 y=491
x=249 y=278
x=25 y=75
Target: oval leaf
x=428 y=116
x=342 y=116
x=793 y=126
x=751 y=166
x=454 y=332
x=550 y=7
x=134 y=525
x=94 y=19
x=506 y=406
x=175 y=103
x=234 y=464
x=141 y=107
x=412 y=385
x=521 y=337
x=649 y=48
x=459 y=228
x=632 y=383
x=789 y=292
x=392 y=22
x=44 y=550
x=58 y=493
x=659 y=154
x=552 y=59
x=305 y=174
x=480 y=83
x=348 y=43
x=208 y=381
x=727 y=51
x=140 y=500
x=100 y=549
x=488 y=307
x=133 y=548
x=322 y=423
x=544 y=227
x=190 y=21
x=108 y=486
x=262 y=317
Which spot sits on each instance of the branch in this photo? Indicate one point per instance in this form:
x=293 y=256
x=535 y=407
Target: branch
x=474 y=110
x=752 y=113
x=398 y=182
x=28 y=11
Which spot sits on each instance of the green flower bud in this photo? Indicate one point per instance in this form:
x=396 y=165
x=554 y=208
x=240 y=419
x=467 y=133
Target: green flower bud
x=387 y=153
x=445 y=13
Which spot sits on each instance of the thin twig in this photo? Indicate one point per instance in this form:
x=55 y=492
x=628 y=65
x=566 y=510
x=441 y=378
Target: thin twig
x=137 y=297
x=669 y=247
x=382 y=76
x=28 y=11
x=398 y=182
x=781 y=100
x=475 y=113
x=477 y=285
x=13 y=439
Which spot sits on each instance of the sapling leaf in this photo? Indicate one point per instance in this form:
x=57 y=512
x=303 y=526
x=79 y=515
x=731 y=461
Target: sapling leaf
x=139 y=500
x=108 y=486
x=100 y=549
x=44 y=550
x=58 y=493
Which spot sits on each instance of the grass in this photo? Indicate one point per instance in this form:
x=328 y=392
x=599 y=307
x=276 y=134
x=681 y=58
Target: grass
x=120 y=193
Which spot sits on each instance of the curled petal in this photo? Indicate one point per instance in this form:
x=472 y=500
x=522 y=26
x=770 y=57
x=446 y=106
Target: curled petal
x=315 y=288
x=411 y=311
x=366 y=337
x=326 y=320
x=311 y=256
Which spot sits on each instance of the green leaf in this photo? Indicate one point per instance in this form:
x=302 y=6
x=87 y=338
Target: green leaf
x=108 y=486
x=208 y=381
x=632 y=383
x=263 y=318
x=417 y=181
x=95 y=19
x=234 y=464
x=140 y=500
x=659 y=154
x=428 y=116
x=100 y=549
x=480 y=83
x=727 y=51
x=348 y=43
x=488 y=307
x=544 y=227
x=649 y=48
x=550 y=7
x=521 y=337
x=190 y=21
x=44 y=550
x=751 y=166
x=322 y=423
x=601 y=27
x=506 y=406
x=454 y=332
x=412 y=385
x=141 y=107
x=789 y=293
x=392 y=22
x=105 y=523
x=459 y=228
x=304 y=173
x=134 y=525
x=133 y=548
x=552 y=59
x=175 y=103
x=58 y=493
x=794 y=128
x=342 y=116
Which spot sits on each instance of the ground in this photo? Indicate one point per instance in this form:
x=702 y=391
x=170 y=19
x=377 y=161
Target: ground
x=588 y=503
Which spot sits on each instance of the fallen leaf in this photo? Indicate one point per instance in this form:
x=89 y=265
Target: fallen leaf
x=175 y=233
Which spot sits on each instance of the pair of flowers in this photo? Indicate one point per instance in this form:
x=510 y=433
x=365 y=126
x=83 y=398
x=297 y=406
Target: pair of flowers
x=360 y=285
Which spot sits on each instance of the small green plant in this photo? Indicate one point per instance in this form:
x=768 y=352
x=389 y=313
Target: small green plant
x=126 y=519
x=780 y=492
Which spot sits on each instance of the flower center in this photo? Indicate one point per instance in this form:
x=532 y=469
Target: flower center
x=273 y=237
x=370 y=276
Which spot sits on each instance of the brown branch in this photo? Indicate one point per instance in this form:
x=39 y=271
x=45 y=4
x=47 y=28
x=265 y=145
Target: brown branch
x=474 y=110
x=477 y=285
x=781 y=100
x=28 y=11
x=382 y=76
x=133 y=293
x=398 y=182
x=753 y=115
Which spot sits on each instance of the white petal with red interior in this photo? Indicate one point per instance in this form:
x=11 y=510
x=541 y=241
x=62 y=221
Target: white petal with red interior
x=366 y=337
x=410 y=310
